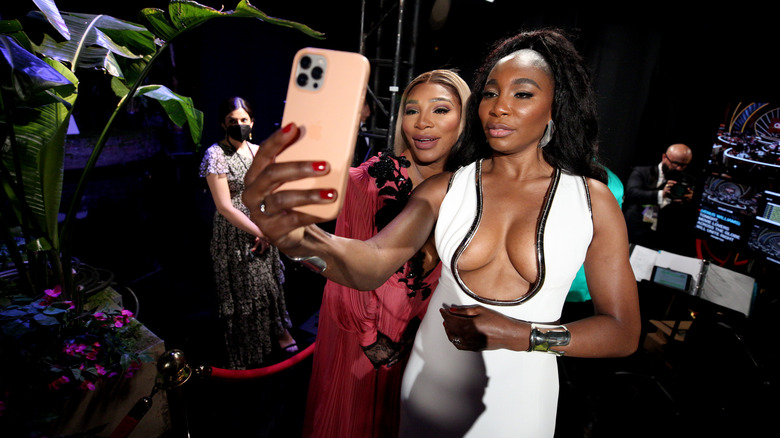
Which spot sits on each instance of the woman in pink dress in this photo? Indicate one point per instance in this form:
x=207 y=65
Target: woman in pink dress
x=363 y=338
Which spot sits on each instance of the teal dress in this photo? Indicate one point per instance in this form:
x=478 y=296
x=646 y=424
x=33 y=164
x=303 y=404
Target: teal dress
x=579 y=287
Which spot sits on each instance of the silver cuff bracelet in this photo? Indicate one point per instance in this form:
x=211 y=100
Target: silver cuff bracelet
x=554 y=336
x=314 y=263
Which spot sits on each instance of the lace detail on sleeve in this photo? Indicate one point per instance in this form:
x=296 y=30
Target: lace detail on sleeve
x=386 y=352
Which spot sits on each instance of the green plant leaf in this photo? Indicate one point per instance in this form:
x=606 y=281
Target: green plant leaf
x=158 y=23
x=52 y=14
x=40 y=136
x=180 y=109
x=77 y=374
x=26 y=74
x=126 y=360
x=52 y=310
x=38 y=245
x=119 y=87
x=12 y=312
x=245 y=9
x=10 y=26
x=17 y=328
x=45 y=320
x=13 y=28
x=91 y=47
x=186 y=14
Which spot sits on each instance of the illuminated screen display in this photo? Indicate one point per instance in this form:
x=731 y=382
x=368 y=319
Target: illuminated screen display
x=726 y=209
x=765 y=235
x=739 y=206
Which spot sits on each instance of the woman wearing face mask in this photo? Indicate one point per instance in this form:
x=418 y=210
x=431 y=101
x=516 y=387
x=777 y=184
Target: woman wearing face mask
x=247 y=269
x=363 y=338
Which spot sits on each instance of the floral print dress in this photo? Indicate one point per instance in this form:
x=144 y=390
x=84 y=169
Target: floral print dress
x=250 y=292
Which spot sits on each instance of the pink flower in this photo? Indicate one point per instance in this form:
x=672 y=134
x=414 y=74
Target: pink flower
x=57 y=384
x=87 y=385
x=53 y=293
x=70 y=304
x=70 y=349
x=100 y=316
x=73 y=349
x=132 y=368
x=118 y=321
x=100 y=369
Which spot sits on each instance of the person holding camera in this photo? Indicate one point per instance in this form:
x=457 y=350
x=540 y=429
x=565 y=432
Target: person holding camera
x=654 y=194
x=247 y=270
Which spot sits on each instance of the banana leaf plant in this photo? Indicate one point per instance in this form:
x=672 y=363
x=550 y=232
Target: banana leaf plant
x=39 y=87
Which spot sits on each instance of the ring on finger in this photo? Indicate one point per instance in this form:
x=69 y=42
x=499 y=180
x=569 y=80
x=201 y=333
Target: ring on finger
x=455 y=341
x=262 y=209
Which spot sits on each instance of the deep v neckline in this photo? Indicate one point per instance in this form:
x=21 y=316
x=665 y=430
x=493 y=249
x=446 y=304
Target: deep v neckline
x=541 y=223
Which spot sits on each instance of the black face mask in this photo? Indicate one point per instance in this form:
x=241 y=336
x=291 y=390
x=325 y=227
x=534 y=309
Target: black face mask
x=239 y=132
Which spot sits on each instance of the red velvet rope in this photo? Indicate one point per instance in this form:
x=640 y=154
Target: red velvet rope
x=225 y=374
x=124 y=428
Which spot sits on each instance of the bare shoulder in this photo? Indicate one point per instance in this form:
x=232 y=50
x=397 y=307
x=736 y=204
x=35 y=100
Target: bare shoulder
x=601 y=197
x=608 y=219
x=435 y=185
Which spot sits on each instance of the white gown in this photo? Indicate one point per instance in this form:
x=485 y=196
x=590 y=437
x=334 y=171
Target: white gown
x=499 y=393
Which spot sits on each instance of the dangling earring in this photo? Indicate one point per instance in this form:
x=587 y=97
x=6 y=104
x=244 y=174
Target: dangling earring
x=548 y=133
x=250 y=135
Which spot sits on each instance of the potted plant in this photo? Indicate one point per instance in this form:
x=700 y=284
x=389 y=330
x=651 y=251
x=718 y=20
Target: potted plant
x=44 y=311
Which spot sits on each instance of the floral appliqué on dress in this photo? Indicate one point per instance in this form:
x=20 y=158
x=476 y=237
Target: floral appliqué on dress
x=397 y=190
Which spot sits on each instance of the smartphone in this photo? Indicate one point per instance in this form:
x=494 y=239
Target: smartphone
x=324 y=98
x=671 y=278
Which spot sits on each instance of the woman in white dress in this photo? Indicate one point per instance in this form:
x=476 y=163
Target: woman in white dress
x=527 y=206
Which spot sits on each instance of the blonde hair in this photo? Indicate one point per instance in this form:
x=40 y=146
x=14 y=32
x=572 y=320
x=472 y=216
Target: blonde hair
x=446 y=78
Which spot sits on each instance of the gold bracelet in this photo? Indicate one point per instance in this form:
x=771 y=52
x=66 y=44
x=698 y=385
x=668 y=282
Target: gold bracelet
x=555 y=336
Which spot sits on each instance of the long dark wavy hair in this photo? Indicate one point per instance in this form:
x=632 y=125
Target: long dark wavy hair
x=574 y=145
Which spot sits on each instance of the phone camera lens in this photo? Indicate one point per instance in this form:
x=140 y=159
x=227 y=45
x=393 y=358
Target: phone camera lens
x=302 y=79
x=316 y=73
x=305 y=62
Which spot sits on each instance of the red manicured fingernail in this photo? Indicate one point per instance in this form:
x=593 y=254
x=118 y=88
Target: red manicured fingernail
x=319 y=166
x=287 y=128
x=327 y=194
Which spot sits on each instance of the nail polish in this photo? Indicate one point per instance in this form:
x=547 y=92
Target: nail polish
x=319 y=166
x=327 y=194
x=287 y=128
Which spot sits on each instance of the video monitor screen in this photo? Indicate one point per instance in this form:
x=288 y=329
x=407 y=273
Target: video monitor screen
x=748 y=143
x=726 y=210
x=744 y=162
x=764 y=237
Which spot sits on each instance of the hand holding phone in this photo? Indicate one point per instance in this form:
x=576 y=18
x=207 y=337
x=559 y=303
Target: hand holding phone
x=325 y=95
